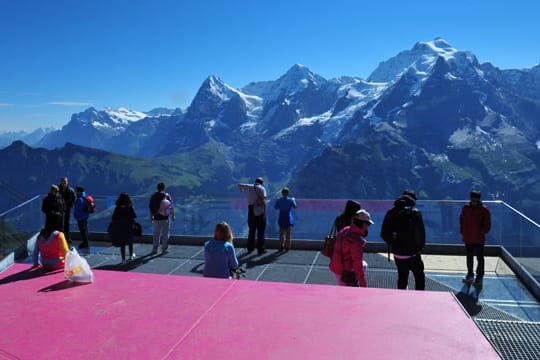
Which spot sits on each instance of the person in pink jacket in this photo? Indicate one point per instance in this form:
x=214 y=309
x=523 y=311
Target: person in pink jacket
x=349 y=250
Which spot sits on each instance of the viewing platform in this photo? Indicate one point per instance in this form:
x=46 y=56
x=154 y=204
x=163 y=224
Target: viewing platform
x=286 y=306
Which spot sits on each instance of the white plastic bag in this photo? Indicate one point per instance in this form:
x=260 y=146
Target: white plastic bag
x=76 y=268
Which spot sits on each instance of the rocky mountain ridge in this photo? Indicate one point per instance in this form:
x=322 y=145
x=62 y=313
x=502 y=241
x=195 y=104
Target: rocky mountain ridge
x=431 y=118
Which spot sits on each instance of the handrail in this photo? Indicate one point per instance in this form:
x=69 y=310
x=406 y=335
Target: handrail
x=511 y=228
x=20 y=205
x=522 y=215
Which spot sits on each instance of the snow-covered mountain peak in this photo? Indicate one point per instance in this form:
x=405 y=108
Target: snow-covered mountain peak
x=421 y=59
x=124 y=116
x=438 y=46
x=117 y=119
x=299 y=75
x=217 y=87
x=299 y=71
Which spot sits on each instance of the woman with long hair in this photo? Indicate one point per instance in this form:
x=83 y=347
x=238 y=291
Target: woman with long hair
x=121 y=228
x=219 y=253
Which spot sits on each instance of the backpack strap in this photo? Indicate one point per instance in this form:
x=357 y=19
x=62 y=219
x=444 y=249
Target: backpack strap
x=257 y=192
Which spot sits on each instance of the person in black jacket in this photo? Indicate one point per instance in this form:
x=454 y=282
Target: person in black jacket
x=54 y=209
x=345 y=218
x=403 y=230
x=69 y=196
x=121 y=227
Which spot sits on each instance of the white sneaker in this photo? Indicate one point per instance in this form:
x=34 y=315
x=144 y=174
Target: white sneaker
x=132 y=257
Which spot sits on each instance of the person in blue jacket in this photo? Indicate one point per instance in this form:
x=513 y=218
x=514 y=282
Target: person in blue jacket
x=285 y=220
x=81 y=215
x=219 y=253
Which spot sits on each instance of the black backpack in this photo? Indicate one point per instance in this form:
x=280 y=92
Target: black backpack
x=410 y=232
x=155 y=202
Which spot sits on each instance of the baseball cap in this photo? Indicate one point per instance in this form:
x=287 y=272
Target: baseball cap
x=363 y=215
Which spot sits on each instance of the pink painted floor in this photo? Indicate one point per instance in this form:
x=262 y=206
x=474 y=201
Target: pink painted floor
x=124 y=315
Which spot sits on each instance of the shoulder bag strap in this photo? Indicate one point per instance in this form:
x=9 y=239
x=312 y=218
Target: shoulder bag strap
x=341 y=250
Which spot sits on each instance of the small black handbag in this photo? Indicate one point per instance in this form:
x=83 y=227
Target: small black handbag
x=349 y=278
x=137 y=229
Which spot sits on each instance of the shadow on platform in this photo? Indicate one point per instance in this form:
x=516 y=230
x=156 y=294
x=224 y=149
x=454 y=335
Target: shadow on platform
x=469 y=303
x=27 y=274
x=62 y=285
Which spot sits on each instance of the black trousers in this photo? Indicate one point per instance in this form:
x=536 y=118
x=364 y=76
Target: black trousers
x=478 y=250
x=257 y=226
x=414 y=264
x=83 y=229
x=65 y=229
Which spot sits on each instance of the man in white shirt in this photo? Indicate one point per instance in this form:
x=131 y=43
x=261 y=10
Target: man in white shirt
x=256 y=197
x=161 y=209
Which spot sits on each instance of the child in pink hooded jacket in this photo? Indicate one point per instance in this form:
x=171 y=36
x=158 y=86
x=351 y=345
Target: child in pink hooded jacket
x=349 y=249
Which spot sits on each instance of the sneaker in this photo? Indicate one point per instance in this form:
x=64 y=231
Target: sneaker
x=132 y=257
x=260 y=252
x=468 y=279
x=478 y=281
x=123 y=262
x=154 y=252
x=164 y=252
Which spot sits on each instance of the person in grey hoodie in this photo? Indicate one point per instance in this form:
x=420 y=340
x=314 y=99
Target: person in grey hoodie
x=219 y=253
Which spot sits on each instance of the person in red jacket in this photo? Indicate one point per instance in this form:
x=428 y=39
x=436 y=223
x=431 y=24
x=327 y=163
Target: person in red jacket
x=349 y=250
x=475 y=223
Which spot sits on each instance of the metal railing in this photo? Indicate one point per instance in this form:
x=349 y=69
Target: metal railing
x=519 y=234
x=18 y=224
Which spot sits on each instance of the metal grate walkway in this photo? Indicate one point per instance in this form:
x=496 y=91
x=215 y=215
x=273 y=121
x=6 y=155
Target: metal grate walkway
x=514 y=340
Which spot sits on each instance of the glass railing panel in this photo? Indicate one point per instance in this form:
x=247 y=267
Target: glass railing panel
x=18 y=224
x=519 y=234
x=314 y=217
x=521 y=237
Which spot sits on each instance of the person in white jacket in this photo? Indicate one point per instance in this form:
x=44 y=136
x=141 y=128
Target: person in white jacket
x=256 y=197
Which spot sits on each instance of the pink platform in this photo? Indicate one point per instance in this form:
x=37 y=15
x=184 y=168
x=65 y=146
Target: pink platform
x=148 y=316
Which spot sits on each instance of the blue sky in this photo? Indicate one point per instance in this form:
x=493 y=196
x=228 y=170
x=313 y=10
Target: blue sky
x=59 y=57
